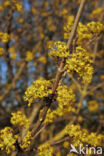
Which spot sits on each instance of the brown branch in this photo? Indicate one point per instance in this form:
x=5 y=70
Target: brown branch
x=95 y=50
x=96 y=87
x=72 y=34
x=41 y=129
x=40 y=121
x=59 y=141
x=35 y=111
x=60 y=70
x=8 y=30
x=98 y=38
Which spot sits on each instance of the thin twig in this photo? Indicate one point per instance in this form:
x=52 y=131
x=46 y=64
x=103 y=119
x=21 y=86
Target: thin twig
x=72 y=34
x=12 y=85
x=95 y=50
x=96 y=87
x=7 y=56
x=59 y=141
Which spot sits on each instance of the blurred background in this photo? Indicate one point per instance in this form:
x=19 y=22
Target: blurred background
x=27 y=28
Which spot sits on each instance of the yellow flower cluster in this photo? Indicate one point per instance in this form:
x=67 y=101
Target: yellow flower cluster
x=7 y=139
x=45 y=150
x=15 y=3
x=93 y=106
x=12 y=52
x=96 y=13
x=81 y=136
x=80 y=62
x=65 y=99
x=66 y=144
x=20 y=119
x=50 y=24
x=80 y=118
x=84 y=32
x=51 y=115
x=94 y=139
x=26 y=140
x=1 y=8
x=13 y=56
x=95 y=27
x=29 y=56
x=18 y=5
x=64 y=12
x=12 y=49
x=39 y=89
x=42 y=59
x=6 y=3
x=59 y=49
x=4 y=37
x=50 y=44
x=68 y=27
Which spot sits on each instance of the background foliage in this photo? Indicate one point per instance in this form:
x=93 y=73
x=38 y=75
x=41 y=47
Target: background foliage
x=28 y=32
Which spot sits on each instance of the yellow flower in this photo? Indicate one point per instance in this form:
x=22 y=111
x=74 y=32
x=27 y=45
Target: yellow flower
x=20 y=119
x=1 y=51
x=46 y=4
x=1 y=8
x=95 y=27
x=6 y=3
x=4 y=37
x=66 y=144
x=18 y=5
x=29 y=56
x=51 y=27
x=26 y=140
x=65 y=96
x=7 y=139
x=20 y=20
x=34 y=10
x=44 y=14
x=65 y=99
x=81 y=136
x=64 y=11
x=58 y=154
x=50 y=44
x=93 y=106
x=42 y=59
x=80 y=118
x=11 y=50
x=68 y=27
x=39 y=89
x=45 y=150
x=102 y=77
x=41 y=35
x=83 y=33
x=13 y=56
x=80 y=62
x=1 y=34
x=59 y=49
x=96 y=13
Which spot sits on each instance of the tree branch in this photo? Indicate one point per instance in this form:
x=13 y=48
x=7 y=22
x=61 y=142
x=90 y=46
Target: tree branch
x=60 y=70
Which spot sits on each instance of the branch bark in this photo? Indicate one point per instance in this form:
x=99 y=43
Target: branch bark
x=60 y=70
